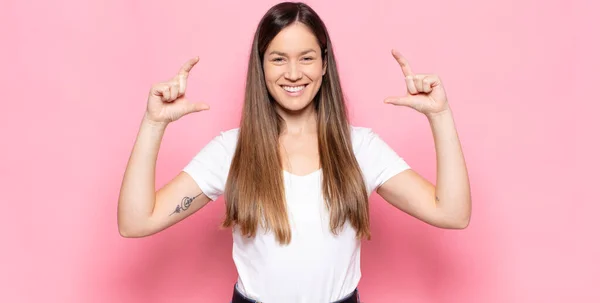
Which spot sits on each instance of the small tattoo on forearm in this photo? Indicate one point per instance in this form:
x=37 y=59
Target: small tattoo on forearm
x=437 y=199
x=185 y=204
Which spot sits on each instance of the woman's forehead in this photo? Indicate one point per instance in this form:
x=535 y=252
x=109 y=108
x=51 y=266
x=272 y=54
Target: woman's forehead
x=296 y=39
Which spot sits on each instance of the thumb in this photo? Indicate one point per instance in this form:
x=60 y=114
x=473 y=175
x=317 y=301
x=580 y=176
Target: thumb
x=402 y=101
x=196 y=107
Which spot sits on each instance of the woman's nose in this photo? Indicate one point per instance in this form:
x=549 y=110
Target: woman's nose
x=293 y=73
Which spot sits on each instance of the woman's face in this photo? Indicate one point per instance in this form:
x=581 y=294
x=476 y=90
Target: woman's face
x=293 y=67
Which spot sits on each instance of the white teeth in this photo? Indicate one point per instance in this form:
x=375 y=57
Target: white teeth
x=293 y=89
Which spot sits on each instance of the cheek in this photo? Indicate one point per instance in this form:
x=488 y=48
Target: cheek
x=314 y=72
x=272 y=75
x=271 y=78
x=268 y=74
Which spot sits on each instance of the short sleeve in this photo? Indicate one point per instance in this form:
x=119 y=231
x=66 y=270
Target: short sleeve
x=378 y=161
x=210 y=167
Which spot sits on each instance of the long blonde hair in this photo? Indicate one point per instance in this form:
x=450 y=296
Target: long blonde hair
x=254 y=192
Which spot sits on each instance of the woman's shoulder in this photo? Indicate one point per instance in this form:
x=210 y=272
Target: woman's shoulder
x=360 y=130
x=228 y=137
x=223 y=141
x=231 y=133
x=360 y=134
x=366 y=140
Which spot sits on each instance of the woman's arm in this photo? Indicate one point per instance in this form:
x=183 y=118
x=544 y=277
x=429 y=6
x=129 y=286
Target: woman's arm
x=447 y=205
x=141 y=210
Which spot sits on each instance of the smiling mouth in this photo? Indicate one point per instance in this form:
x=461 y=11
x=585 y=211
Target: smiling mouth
x=296 y=89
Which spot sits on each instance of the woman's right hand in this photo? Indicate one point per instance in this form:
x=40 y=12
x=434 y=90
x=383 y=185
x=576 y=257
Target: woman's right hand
x=167 y=102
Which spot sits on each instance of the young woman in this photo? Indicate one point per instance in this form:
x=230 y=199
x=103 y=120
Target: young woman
x=296 y=176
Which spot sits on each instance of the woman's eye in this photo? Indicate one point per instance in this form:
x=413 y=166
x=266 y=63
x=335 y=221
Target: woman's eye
x=277 y=59
x=308 y=58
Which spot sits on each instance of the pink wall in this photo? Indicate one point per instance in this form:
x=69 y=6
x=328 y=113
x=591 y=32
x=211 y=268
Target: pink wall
x=521 y=77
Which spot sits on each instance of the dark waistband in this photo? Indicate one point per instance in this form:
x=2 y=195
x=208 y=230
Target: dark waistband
x=240 y=298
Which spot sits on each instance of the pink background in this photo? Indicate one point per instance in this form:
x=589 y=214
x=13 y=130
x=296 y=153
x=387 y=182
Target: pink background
x=521 y=78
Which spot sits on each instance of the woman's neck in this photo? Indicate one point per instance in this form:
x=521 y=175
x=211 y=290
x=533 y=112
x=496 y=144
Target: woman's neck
x=300 y=122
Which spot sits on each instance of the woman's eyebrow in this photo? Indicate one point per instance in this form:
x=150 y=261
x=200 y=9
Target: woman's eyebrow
x=285 y=55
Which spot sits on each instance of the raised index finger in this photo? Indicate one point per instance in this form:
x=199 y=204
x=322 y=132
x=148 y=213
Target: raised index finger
x=403 y=63
x=187 y=67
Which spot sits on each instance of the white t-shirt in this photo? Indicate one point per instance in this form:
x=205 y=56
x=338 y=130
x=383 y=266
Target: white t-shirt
x=316 y=266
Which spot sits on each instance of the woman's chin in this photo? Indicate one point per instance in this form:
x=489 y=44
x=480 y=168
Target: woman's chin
x=294 y=106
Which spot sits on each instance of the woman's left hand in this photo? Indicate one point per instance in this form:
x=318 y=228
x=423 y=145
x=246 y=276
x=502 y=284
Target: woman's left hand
x=425 y=92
